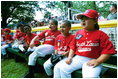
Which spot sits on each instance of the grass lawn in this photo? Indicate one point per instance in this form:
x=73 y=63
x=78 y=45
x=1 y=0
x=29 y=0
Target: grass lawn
x=12 y=69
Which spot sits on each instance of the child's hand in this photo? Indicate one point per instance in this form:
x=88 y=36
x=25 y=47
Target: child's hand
x=7 y=42
x=20 y=42
x=32 y=45
x=66 y=53
x=93 y=63
x=68 y=61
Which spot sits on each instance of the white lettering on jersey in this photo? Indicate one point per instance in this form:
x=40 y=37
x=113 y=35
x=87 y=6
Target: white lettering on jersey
x=50 y=38
x=87 y=43
x=46 y=33
x=64 y=48
x=83 y=49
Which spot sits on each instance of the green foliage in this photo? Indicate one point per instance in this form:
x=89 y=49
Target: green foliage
x=47 y=14
x=25 y=10
x=18 y=10
x=101 y=6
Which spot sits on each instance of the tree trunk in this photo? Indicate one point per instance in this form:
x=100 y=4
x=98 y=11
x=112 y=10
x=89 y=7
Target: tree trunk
x=94 y=5
x=4 y=23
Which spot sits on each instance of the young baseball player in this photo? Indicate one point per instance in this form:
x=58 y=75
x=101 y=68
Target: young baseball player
x=29 y=36
x=2 y=35
x=7 y=38
x=90 y=46
x=45 y=49
x=19 y=32
x=19 y=37
x=62 y=42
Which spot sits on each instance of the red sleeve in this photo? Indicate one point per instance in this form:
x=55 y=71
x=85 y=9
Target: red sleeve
x=37 y=42
x=106 y=45
x=42 y=34
x=11 y=37
x=3 y=38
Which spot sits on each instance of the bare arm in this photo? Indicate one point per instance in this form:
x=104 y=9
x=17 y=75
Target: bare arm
x=56 y=52
x=103 y=58
x=99 y=60
x=33 y=40
x=70 y=56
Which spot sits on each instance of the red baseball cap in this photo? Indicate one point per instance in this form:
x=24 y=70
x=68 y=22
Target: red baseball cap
x=89 y=13
x=7 y=30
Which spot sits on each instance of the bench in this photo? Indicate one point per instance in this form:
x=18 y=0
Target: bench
x=109 y=64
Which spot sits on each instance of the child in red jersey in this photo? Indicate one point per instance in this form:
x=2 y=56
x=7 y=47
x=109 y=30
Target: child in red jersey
x=20 y=32
x=7 y=38
x=28 y=38
x=91 y=48
x=62 y=42
x=45 y=49
x=2 y=35
x=19 y=38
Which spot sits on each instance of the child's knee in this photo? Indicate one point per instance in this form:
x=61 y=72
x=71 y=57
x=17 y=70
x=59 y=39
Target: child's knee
x=56 y=67
x=46 y=65
x=31 y=56
x=2 y=48
x=91 y=72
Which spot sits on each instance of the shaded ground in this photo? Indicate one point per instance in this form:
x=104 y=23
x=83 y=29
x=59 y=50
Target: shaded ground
x=12 y=69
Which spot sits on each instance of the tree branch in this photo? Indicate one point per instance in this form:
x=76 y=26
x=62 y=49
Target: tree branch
x=10 y=21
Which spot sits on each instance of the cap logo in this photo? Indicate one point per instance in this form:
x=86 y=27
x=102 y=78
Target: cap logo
x=46 y=33
x=86 y=12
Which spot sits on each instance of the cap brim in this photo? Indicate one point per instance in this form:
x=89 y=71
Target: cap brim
x=81 y=15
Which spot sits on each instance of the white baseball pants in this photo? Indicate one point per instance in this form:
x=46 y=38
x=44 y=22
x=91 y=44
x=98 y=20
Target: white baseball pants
x=63 y=70
x=3 y=49
x=48 y=67
x=40 y=51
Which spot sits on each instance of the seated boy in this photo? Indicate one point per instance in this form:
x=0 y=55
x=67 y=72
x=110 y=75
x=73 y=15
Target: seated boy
x=61 y=45
x=7 y=38
x=29 y=36
x=19 y=37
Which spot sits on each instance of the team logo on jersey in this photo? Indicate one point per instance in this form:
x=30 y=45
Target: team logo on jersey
x=46 y=33
x=58 y=44
x=59 y=41
x=79 y=36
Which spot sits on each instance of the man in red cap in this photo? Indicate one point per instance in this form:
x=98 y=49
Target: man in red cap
x=7 y=38
x=91 y=47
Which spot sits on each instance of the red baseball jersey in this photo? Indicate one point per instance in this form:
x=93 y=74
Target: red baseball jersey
x=29 y=38
x=7 y=37
x=49 y=36
x=92 y=44
x=19 y=35
x=62 y=42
